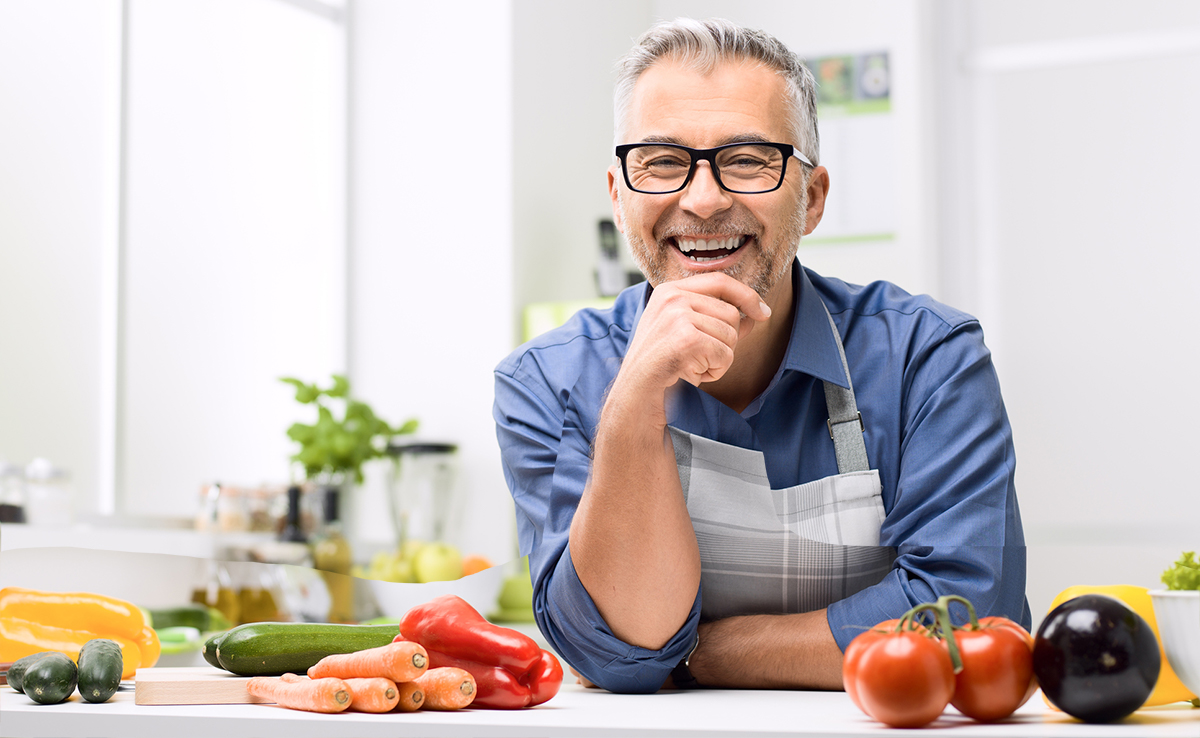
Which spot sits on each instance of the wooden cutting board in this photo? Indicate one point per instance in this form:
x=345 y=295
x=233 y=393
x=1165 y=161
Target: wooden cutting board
x=191 y=685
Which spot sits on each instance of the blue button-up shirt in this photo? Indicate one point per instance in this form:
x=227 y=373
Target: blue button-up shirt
x=936 y=430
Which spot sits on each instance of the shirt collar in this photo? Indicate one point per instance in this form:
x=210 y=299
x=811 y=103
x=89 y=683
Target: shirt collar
x=811 y=348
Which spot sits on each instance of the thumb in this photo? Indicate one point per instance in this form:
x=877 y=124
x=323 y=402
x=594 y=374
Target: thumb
x=757 y=314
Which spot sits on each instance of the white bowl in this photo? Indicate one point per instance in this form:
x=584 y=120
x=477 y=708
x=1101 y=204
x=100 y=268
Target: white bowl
x=1178 y=616
x=479 y=590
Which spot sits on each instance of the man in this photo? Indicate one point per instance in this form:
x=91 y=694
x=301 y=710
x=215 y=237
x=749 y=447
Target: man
x=706 y=496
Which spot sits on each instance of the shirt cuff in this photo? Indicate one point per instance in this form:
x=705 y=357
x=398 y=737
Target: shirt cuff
x=866 y=609
x=573 y=626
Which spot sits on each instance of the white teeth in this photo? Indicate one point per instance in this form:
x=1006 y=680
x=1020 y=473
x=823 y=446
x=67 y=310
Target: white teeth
x=709 y=245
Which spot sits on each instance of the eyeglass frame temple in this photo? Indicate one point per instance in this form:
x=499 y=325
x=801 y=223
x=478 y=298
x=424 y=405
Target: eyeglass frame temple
x=709 y=155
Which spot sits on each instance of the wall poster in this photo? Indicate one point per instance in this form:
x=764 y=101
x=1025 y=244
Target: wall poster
x=854 y=116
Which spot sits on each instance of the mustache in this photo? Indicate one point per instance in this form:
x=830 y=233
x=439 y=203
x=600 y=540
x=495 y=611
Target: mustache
x=722 y=225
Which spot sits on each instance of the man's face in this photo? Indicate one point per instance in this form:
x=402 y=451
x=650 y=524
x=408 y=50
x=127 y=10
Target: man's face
x=758 y=234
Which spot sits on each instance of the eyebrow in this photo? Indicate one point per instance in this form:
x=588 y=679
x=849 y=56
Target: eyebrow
x=736 y=138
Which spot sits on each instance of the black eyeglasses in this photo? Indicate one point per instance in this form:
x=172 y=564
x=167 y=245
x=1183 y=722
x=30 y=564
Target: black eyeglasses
x=744 y=168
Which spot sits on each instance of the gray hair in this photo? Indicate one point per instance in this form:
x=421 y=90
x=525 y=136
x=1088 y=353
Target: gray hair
x=701 y=45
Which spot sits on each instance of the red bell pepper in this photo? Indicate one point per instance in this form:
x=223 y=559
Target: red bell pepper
x=510 y=669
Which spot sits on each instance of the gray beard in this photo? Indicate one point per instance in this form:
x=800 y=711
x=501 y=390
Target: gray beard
x=765 y=276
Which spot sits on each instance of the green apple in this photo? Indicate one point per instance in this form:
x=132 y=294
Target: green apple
x=437 y=562
x=410 y=549
x=401 y=570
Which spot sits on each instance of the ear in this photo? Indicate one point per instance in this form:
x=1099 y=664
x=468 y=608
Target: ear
x=818 y=189
x=613 y=171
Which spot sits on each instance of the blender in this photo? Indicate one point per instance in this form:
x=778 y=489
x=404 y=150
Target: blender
x=422 y=492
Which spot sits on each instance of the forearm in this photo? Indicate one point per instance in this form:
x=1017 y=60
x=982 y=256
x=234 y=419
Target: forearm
x=632 y=540
x=768 y=652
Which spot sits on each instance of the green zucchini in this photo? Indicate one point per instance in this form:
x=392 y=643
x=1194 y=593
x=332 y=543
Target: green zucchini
x=194 y=616
x=18 y=668
x=271 y=649
x=50 y=680
x=209 y=649
x=100 y=666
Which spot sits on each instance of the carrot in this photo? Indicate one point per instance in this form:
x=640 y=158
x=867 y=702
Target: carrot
x=374 y=694
x=446 y=688
x=410 y=697
x=402 y=661
x=312 y=695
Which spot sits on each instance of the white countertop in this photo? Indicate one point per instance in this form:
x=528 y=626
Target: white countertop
x=573 y=713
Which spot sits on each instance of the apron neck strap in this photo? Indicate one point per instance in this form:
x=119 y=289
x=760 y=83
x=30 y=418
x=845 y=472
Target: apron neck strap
x=845 y=421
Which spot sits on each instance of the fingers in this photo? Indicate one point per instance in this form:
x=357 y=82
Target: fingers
x=690 y=331
x=726 y=289
x=581 y=678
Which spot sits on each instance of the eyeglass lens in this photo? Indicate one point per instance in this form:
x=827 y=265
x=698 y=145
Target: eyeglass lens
x=749 y=168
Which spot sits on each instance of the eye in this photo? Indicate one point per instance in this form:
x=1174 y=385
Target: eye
x=665 y=162
x=745 y=160
x=748 y=158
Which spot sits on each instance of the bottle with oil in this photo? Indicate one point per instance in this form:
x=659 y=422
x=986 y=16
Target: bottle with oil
x=214 y=588
x=332 y=556
x=258 y=595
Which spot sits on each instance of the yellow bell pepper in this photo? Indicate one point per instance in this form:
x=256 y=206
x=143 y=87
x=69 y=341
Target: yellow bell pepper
x=83 y=610
x=20 y=638
x=149 y=646
x=1168 y=689
x=32 y=621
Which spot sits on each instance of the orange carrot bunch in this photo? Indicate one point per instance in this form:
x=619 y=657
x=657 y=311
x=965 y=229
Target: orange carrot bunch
x=391 y=678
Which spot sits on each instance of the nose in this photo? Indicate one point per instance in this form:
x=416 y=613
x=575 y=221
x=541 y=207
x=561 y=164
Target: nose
x=703 y=196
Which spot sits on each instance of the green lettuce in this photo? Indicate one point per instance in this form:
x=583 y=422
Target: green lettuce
x=1185 y=574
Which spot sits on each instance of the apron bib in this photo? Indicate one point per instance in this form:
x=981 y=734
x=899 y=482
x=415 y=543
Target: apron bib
x=788 y=550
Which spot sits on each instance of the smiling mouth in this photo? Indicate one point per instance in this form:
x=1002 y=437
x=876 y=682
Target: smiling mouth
x=704 y=250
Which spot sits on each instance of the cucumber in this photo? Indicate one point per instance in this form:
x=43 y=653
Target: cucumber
x=271 y=649
x=100 y=666
x=209 y=649
x=18 y=668
x=50 y=680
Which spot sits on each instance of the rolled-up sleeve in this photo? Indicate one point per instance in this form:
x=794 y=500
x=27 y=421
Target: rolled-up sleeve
x=545 y=449
x=953 y=516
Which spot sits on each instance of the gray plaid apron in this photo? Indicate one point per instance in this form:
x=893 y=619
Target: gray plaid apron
x=798 y=549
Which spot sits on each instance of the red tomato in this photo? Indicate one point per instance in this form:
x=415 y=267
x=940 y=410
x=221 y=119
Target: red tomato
x=854 y=651
x=1005 y=622
x=998 y=622
x=853 y=655
x=997 y=673
x=903 y=679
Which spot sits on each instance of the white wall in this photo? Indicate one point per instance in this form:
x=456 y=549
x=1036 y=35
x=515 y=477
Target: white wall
x=431 y=232
x=1082 y=182
x=56 y=180
x=563 y=57
x=233 y=257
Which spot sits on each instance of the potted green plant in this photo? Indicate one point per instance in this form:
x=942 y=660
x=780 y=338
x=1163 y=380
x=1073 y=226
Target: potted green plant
x=334 y=449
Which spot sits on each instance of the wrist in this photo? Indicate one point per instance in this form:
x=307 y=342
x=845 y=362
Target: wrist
x=682 y=675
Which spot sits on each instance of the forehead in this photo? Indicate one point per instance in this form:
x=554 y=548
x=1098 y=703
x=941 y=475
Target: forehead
x=735 y=100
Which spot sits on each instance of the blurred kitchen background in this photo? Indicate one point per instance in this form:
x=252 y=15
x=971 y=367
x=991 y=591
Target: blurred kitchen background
x=198 y=197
